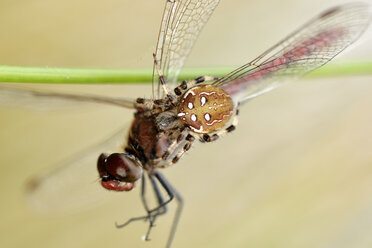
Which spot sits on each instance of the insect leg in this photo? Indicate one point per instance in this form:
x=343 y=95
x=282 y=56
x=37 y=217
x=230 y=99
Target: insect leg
x=169 y=188
x=232 y=127
x=160 y=210
x=162 y=207
x=144 y=202
x=143 y=194
x=151 y=214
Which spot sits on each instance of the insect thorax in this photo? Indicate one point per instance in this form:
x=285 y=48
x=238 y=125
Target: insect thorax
x=145 y=141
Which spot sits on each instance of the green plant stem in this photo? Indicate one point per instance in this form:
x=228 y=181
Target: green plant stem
x=23 y=74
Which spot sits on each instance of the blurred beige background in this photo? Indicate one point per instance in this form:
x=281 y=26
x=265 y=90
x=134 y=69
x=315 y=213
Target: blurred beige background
x=296 y=173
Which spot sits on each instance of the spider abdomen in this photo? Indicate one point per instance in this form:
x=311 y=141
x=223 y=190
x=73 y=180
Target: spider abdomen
x=205 y=108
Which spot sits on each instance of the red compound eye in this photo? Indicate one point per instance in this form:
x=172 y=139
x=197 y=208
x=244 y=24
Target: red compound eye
x=119 y=171
x=123 y=168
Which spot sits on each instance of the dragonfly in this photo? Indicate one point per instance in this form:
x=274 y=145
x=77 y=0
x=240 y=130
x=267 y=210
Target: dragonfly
x=177 y=115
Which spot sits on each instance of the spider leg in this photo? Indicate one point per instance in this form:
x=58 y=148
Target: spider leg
x=189 y=140
x=155 y=106
x=172 y=147
x=163 y=82
x=232 y=127
x=185 y=85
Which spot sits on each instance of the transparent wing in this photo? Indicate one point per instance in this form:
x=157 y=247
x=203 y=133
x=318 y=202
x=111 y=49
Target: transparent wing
x=42 y=99
x=74 y=184
x=181 y=24
x=306 y=49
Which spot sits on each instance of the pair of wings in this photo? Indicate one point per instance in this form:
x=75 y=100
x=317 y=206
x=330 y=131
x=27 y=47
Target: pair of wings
x=306 y=49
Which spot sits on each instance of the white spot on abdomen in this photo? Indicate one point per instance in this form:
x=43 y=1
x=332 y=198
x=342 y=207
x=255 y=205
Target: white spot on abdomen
x=207 y=117
x=193 y=117
x=203 y=100
x=190 y=105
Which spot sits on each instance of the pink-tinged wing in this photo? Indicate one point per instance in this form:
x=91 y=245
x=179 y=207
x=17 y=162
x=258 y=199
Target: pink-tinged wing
x=308 y=48
x=180 y=26
x=44 y=99
x=75 y=184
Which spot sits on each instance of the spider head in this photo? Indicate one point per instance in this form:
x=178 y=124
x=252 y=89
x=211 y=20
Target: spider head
x=119 y=171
